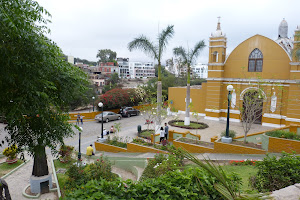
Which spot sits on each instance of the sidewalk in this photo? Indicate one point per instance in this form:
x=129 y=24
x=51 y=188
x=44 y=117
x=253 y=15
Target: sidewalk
x=19 y=180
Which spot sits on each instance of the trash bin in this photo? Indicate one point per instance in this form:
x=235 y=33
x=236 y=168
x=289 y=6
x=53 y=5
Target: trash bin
x=139 y=129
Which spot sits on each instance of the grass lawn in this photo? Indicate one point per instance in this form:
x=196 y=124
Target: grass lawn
x=244 y=171
x=6 y=168
x=147 y=133
x=192 y=125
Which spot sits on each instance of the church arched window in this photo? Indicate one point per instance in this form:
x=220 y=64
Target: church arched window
x=255 y=61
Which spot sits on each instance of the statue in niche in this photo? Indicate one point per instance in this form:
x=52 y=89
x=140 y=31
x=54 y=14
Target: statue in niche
x=233 y=99
x=273 y=102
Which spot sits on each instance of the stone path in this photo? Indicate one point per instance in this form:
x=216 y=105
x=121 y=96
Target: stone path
x=18 y=181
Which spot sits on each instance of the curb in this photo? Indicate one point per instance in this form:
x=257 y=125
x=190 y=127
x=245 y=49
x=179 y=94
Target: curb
x=55 y=179
x=9 y=173
x=30 y=196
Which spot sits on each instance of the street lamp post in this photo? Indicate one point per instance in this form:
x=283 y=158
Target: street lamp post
x=100 y=104
x=228 y=139
x=93 y=103
x=79 y=149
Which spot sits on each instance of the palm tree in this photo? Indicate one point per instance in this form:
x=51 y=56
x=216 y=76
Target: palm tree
x=187 y=57
x=154 y=51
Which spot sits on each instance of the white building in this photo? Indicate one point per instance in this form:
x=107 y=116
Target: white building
x=141 y=70
x=71 y=59
x=123 y=67
x=200 y=70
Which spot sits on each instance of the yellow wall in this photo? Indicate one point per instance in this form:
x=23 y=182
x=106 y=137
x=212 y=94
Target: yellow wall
x=220 y=147
x=192 y=148
x=178 y=95
x=108 y=148
x=275 y=60
x=278 y=145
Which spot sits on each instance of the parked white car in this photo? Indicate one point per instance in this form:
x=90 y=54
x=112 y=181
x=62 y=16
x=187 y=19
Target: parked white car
x=108 y=116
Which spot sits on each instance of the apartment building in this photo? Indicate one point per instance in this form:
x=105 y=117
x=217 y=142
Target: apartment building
x=141 y=70
x=123 y=67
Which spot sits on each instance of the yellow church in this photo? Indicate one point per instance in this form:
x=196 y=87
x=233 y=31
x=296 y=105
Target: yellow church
x=258 y=63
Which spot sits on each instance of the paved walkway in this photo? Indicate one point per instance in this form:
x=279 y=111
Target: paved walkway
x=19 y=180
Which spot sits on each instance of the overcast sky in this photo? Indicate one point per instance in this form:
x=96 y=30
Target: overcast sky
x=82 y=27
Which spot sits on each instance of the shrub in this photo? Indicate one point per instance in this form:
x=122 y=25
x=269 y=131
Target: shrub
x=79 y=174
x=146 y=133
x=100 y=169
x=192 y=183
x=116 y=98
x=283 y=134
x=232 y=134
x=65 y=153
x=274 y=174
x=140 y=141
x=117 y=141
x=11 y=152
x=161 y=164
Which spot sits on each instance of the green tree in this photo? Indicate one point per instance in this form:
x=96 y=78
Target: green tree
x=154 y=51
x=106 y=55
x=187 y=58
x=36 y=84
x=114 y=78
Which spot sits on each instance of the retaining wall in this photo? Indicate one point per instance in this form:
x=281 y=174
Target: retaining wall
x=131 y=148
x=192 y=148
x=220 y=147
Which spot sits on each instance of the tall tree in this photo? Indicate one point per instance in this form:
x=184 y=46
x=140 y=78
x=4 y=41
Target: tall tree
x=187 y=57
x=36 y=84
x=154 y=51
x=106 y=55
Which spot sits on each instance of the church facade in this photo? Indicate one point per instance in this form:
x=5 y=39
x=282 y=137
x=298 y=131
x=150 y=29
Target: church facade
x=258 y=63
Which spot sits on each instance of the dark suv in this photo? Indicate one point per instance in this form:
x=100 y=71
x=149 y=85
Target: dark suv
x=128 y=111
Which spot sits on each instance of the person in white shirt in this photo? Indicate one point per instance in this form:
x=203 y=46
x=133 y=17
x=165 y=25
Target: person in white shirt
x=162 y=134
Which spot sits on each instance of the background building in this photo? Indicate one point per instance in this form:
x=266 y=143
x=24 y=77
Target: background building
x=141 y=70
x=107 y=68
x=123 y=67
x=200 y=70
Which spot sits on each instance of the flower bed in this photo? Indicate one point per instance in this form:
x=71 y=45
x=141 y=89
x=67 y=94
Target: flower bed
x=141 y=142
x=196 y=142
x=193 y=124
x=283 y=134
x=164 y=147
x=117 y=141
x=243 y=162
x=146 y=133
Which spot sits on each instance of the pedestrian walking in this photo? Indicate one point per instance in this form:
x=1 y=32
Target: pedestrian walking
x=162 y=134
x=81 y=119
x=166 y=131
x=78 y=118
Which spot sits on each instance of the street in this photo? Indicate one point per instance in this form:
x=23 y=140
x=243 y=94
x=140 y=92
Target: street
x=92 y=129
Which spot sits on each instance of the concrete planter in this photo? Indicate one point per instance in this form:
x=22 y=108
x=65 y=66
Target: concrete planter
x=278 y=145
